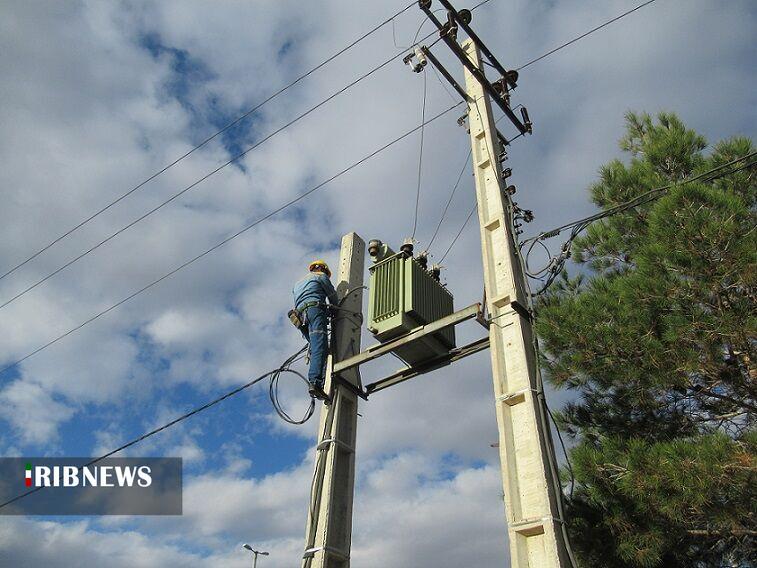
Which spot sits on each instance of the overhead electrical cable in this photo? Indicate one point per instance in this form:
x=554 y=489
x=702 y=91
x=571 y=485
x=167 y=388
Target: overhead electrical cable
x=480 y=4
x=420 y=155
x=248 y=227
x=460 y=232
x=232 y=160
x=454 y=189
x=273 y=375
x=649 y=195
x=424 y=19
x=209 y=139
x=449 y=201
x=442 y=83
x=229 y=238
x=200 y=180
x=591 y=31
x=555 y=264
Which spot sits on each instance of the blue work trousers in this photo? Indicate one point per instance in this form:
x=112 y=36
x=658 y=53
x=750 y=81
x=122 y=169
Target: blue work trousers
x=316 y=333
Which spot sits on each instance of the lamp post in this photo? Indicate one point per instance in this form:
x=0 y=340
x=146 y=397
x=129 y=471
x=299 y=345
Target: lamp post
x=255 y=552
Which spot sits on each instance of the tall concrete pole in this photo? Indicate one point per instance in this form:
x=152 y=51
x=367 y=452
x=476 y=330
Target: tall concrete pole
x=329 y=529
x=525 y=443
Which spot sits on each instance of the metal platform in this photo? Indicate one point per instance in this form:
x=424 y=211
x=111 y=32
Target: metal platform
x=473 y=311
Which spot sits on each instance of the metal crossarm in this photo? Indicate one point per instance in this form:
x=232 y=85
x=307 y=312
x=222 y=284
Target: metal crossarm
x=471 y=312
x=471 y=34
x=444 y=32
x=432 y=365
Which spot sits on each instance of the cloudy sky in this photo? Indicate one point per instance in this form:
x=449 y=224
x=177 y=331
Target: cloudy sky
x=97 y=96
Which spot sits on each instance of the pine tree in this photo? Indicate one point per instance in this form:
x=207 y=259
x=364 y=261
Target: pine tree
x=657 y=336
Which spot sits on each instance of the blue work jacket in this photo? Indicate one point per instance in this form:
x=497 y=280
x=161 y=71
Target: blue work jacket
x=315 y=287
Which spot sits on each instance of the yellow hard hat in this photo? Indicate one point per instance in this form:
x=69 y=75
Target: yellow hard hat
x=321 y=266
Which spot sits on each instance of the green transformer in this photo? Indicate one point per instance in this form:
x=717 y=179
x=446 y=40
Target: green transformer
x=403 y=295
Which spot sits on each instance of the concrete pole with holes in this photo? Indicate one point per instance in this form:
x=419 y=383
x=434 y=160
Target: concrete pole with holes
x=329 y=528
x=525 y=443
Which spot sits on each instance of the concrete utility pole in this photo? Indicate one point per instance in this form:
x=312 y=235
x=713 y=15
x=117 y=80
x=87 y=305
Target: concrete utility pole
x=329 y=529
x=525 y=443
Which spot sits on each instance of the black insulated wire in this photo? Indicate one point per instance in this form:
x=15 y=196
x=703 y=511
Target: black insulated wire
x=420 y=154
x=227 y=239
x=208 y=139
x=591 y=31
x=273 y=389
x=449 y=201
x=549 y=272
x=199 y=181
x=273 y=376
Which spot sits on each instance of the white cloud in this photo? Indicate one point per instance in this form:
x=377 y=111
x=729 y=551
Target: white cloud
x=88 y=112
x=33 y=543
x=396 y=524
x=32 y=411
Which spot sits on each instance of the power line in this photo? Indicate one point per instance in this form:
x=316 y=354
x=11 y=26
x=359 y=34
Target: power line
x=442 y=83
x=238 y=233
x=207 y=140
x=645 y=197
x=417 y=33
x=554 y=266
x=200 y=180
x=449 y=201
x=454 y=188
x=460 y=232
x=420 y=155
x=591 y=31
x=232 y=160
x=229 y=238
x=465 y=223
x=479 y=4
x=274 y=377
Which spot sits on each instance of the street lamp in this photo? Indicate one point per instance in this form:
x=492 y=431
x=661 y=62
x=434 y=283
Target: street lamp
x=255 y=552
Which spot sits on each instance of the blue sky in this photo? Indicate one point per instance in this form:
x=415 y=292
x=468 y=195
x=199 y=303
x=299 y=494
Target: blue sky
x=98 y=96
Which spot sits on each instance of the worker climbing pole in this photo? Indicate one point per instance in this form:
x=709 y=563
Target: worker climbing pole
x=533 y=495
x=329 y=527
x=310 y=315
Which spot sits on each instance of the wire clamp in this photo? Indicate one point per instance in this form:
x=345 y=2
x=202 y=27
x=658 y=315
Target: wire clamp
x=310 y=552
x=324 y=445
x=416 y=60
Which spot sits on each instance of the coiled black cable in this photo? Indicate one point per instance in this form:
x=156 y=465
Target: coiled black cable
x=273 y=389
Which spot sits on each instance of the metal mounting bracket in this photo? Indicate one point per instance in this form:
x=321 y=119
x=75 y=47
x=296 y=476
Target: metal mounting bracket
x=500 y=98
x=436 y=363
x=473 y=311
